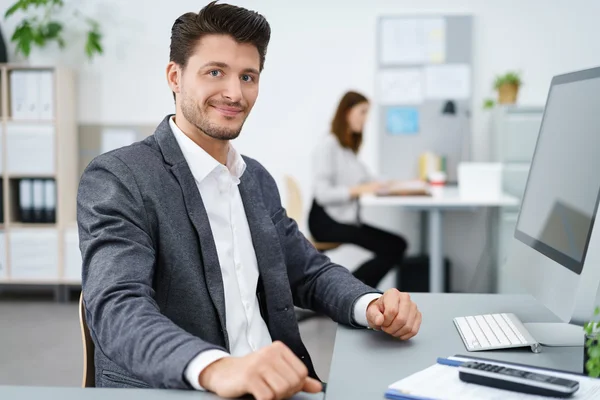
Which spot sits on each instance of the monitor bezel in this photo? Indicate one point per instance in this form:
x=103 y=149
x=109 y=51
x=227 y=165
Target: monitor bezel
x=575 y=266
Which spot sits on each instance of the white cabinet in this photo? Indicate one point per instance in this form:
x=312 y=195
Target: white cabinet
x=3 y=273
x=34 y=253
x=515 y=130
x=72 y=254
x=30 y=149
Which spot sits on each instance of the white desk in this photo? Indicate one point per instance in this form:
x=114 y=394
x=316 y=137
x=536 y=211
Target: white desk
x=447 y=198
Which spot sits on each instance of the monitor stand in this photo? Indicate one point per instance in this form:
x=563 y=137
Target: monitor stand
x=556 y=334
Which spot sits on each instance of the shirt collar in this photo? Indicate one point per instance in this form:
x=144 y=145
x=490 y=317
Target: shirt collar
x=200 y=162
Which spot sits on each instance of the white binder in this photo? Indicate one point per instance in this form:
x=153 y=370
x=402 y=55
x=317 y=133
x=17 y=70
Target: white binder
x=18 y=95
x=32 y=84
x=46 y=95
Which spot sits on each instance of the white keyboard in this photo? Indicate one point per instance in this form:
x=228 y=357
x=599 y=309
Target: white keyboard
x=494 y=331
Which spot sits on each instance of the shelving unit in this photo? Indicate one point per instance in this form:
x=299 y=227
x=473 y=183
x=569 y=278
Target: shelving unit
x=38 y=144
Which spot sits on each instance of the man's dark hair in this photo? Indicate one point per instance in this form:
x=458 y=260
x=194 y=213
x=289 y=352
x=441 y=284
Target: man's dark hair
x=243 y=25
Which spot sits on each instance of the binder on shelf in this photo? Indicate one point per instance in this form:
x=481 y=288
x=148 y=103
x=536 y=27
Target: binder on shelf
x=38 y=201
x=18 y=95
x=46 y=95
x=26 y=200
x=32 y=95
x=32 y=110
x=50 y=201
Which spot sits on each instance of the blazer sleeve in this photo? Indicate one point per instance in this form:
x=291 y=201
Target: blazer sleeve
x=119 y=261
x=316 y=282
x=326 y=190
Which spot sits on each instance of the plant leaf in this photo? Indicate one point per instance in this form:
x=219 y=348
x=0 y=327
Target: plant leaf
x=53 y=29
x=21 y=4
x=23 y=36
x=92 y=44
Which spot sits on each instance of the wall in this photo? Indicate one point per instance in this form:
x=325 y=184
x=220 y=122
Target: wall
x=318 y=50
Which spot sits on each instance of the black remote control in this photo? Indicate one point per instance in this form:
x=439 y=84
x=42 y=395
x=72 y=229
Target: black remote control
x=516 y=380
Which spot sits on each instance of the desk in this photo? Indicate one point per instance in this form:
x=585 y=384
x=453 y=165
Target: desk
x=364 y=364
x=63 y=393
x=447 y=198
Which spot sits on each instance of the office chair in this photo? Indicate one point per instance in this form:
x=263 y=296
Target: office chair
x=89 y=370
x=294 y=210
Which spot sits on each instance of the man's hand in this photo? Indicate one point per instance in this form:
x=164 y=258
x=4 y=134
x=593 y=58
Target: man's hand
x=395 y=314
x=273 y=372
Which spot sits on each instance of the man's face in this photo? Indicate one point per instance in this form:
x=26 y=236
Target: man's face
x=219 y=86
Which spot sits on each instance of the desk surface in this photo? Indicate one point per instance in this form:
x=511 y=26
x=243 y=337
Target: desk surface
x=365 y=363
x=63 y=393
x=445 y=197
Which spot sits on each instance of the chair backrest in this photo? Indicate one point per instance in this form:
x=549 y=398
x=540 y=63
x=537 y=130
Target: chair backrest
x=294 y=199
x=89 y=370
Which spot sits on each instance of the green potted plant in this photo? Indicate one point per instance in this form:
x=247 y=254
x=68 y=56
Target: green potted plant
x=41 y=25
x=591 y=350
x=507 y=86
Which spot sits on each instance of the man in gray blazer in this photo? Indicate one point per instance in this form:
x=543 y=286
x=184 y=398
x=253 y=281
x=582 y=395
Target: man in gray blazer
x=191 y=267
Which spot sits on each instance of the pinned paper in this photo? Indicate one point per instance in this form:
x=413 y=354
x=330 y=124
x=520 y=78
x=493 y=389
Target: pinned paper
x=402 y=120
x=449 y=81
x=412 y=41
x=116 y=138
x=401 y=86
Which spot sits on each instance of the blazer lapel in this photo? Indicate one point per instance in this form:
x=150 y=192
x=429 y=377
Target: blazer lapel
x=270 y=259
x=197 y=214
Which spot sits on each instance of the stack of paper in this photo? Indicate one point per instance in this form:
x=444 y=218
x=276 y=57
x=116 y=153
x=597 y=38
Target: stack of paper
x=441 y=382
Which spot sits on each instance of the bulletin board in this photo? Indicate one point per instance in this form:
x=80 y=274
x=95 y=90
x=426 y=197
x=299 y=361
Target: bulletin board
x=423 y=62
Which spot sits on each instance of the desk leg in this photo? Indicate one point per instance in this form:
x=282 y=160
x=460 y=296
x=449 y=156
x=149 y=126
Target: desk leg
x=436 y=252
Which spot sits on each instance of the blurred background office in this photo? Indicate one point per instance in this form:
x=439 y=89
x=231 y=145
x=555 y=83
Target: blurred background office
x=433 y=105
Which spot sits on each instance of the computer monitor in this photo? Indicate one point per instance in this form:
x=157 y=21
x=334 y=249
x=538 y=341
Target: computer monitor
x=556 y=251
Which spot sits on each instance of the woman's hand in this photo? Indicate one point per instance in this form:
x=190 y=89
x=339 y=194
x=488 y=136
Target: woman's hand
x=365 y=188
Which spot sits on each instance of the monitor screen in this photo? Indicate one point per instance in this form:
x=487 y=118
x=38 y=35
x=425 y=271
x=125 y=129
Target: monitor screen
x=561 y=198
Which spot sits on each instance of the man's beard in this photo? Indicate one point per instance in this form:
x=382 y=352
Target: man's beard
x=195 y=115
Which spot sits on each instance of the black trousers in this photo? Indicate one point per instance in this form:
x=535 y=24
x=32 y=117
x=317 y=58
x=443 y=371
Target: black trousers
x=389 y=249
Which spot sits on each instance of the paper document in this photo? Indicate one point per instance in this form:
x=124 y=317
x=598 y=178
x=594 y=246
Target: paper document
x=116 y=138
x=401 y=86
x=449 y=81
x=435 y=39
x=412 y=41
x=441 y=382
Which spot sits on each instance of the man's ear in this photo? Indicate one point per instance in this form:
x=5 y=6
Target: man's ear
x=174 y=77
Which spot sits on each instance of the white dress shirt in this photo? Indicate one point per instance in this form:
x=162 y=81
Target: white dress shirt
x=218 y=186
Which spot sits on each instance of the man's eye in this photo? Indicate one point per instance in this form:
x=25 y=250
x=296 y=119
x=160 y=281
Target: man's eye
x=215 y=72
x=247 y=78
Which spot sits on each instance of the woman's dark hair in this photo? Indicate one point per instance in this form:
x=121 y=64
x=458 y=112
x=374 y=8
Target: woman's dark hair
x=339 y=125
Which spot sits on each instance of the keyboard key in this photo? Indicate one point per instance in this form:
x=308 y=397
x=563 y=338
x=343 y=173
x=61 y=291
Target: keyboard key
x=470 y=339
x=478 y=332
x=489 y=334
x=496 y=329
x=506 y=329
x=514 y=328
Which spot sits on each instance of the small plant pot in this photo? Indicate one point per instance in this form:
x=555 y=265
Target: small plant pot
x=586 y=351
x=507 y=93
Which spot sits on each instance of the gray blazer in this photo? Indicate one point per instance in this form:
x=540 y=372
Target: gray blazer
x=152 y=284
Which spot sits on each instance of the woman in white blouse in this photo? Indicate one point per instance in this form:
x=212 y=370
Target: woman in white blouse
x=339 y=179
